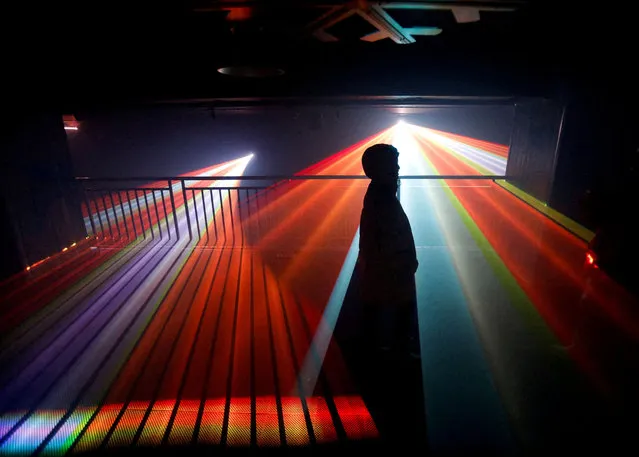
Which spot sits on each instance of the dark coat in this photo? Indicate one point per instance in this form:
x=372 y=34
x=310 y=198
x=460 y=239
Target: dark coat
x=387 y=259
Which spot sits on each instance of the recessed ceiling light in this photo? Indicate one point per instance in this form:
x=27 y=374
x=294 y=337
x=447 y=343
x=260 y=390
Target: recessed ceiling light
x=251 y=71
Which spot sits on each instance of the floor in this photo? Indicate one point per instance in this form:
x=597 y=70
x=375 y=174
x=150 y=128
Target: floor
x=241 y=336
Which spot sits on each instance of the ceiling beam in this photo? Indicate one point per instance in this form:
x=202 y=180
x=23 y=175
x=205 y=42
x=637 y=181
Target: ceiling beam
x=465 y=14
x=318 y=27
x=423 y=31
x=504 y=6
x=481 y=5
x=382 y=21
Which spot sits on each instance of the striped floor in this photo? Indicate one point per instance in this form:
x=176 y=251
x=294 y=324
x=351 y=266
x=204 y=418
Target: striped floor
x=227 y=339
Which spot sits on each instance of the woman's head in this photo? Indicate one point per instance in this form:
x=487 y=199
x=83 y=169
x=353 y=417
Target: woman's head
x=380 y=163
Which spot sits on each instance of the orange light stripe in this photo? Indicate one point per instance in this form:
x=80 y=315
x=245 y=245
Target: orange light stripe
x=536 y=279
x=295 y=428
x=314 y=192
x=98 y=429
x=217 y=387
x=239 y=427
x=267 y=423
x=184 y=422
x=212 y=421
x=562 y=248
x=145 y=348
x=323 y=164
x=354 y=415
x=287 y=377
x=290 y=192
x=241 y=381
x=346 y=206
x=267 y=427
x=128 y=425
x=196 y=375
x=509 y=208
x=186 y=339
x=178 y=300
x=156 y=423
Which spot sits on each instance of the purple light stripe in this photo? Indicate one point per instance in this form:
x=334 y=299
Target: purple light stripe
x=490 y=161
x=54 y=396
x=103 y=372
x=91 y=360
x=90 y=372
x=38 y=375
x=177 y=187
x=480 y=157
x=94 y=334
x=37 y=326
x=44 y=341
x=7 y=421
x=31 y=433
x=477 y=158
x=57 y=348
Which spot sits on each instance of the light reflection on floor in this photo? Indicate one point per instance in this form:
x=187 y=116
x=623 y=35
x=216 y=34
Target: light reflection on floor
x=228 y=341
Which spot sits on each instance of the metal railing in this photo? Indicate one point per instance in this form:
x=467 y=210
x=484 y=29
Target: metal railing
x=220 y=214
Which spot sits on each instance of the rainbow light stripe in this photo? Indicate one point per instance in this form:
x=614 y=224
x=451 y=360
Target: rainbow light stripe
x=156 y=342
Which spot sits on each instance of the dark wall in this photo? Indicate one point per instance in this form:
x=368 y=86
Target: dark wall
x=488 y=123
x=533 y=147
x=598 y=160
x=12 y=258
x=172 y=141
x=39 y=196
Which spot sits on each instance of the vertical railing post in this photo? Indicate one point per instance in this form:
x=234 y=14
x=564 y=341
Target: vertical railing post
x=137 y=199
x=197 y=216
x=219 y=191
x=206 y=222
x=148 y=213
x=177 y=229
x=128 y=199
x=239 y=212
x=99 y=215
x=106 y=213
x=186 y=208
x=166 y=216
x=258 y=215
x=249 y=232
x=157 y=214
x=126 y=227
x=228 y=193
x=115 y=215
x=88 y=205
x=213 y=211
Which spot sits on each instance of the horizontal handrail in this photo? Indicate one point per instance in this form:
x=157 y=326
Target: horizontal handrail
x=280 y=178
x=227 y=188
x=129 y=189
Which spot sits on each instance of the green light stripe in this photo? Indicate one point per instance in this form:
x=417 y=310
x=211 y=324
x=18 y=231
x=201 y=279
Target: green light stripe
x=515 y=293
x=564 y=221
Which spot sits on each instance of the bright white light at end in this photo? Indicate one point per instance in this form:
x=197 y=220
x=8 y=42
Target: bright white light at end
x=400 y=123
x=66 y=127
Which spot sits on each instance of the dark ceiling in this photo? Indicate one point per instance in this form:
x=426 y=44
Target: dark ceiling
x=91 y=53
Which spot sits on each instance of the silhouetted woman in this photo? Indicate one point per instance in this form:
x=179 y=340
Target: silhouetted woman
x=387 y=259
